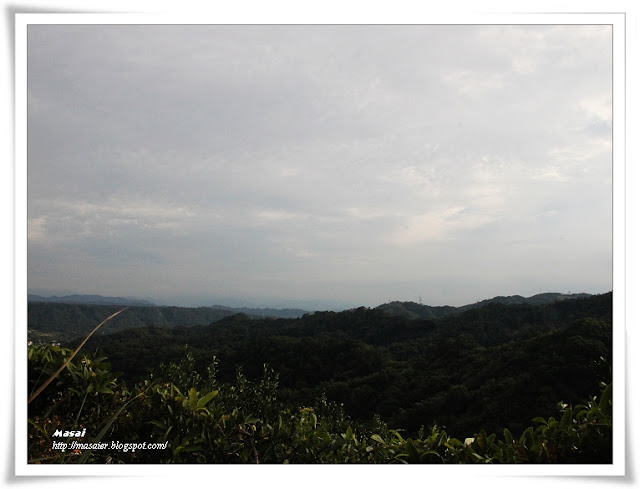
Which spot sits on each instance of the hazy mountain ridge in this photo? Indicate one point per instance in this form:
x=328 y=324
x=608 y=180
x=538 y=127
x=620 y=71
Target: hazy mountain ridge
x=534 y=300
x=95 y=299
x=57 y=320
x=264 y=312
x=65 y=317
x=90 y=299
x=413 y=310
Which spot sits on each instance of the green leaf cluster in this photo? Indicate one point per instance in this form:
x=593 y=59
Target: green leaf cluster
x=205 y=420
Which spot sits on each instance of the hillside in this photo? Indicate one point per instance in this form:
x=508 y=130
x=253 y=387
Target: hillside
x=264 y=312
x=55 y=319
x=413 y=310
x=492 y=366
x=58 y=321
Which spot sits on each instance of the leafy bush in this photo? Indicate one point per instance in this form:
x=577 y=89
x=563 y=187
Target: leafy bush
x=202 y=420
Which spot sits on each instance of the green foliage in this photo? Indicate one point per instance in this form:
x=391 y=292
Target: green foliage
x=486 y=368
x=85 y=393
x=201 y=419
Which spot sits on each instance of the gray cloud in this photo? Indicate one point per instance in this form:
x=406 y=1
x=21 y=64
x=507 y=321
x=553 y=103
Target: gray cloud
x=342 y=163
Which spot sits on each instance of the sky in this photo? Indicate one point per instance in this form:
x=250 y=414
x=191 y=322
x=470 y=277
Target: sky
x=319 y=166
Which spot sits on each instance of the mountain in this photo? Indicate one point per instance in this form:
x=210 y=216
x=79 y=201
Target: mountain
x=412 y=310
x=488 y=367
x=206 y=298
x=534 y=300
x=90 y=299
x=65 y=317
x=267 y=312
x=58 y=320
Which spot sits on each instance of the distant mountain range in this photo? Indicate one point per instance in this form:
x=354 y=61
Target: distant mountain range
x=90 y=299
x=255 y=312
x=413 y=310
x=262 y=312
x=58 y=318
x=395 y=308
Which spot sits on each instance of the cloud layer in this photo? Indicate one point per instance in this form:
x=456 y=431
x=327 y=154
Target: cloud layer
x=349 y=164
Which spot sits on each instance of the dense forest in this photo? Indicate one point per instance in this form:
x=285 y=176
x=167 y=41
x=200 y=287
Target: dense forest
x=56 y=319
x=61 y=322
x=363 y=374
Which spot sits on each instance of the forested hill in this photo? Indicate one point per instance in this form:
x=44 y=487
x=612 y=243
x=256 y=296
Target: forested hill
x=57 y=321
x=489 y=367
x=414 y=310
x=60 y=322
x=263 y=312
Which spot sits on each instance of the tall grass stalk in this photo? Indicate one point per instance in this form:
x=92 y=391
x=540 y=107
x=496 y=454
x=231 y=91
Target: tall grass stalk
x=50 y=379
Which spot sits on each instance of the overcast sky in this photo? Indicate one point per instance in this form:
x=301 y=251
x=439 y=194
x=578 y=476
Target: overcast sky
x=347 y=165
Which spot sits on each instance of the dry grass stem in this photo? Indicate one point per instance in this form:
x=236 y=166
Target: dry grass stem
x=50 y=379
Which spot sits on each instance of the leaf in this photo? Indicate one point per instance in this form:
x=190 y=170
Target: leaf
x=397 y=435
x=527 y=437
x=166 y=434
x=566 y=418
x=105 y=428
x=376 y=437
x=39 y=428
x=174 y=388
x=50 y=379
x=202 y=402
x=425 y=457
x=605 y=400
x=535 y=449
x=413 y=453
x=193 y=399
x=443 y=438
x=508 y=436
